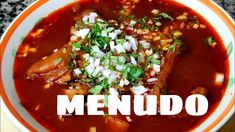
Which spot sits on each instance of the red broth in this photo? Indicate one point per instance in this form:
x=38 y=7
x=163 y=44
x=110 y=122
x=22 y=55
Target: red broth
x=197 y=66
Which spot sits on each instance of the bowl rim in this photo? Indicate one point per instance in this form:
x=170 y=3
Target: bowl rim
x=20 y=122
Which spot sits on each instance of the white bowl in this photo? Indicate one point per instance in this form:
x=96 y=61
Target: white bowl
x=22 y=25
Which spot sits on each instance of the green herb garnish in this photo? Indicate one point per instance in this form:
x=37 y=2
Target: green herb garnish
x=77 y=46
x=165 y=15
x=96 y=90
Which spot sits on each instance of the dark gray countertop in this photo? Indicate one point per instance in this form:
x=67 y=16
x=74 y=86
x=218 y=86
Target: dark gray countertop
x=9 y=9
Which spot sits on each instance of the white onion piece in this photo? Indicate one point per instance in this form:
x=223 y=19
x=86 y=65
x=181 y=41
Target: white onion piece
x=149 y=52
x=96 y=71
x=112 y=47
x=219 y=78
x=132 y=22
x=85 y=18
x=145 y=44
x=92 y=17
x=98 y=52
x=113 y=91
x=127 y=46
x=156 y=68
x=106 y=73
x=89 y=69
x=121 y=83
x=104 y=33
x=119 y=67
x=97 y=62
x=110 y=29
x=156 y=56
x=141 y=57
x=113 y=35
x=112 y=78
x=82 y=32
x=118 y=31
x=138 y=90
x=91 y=61
x=132 y=42
x=151 y=80
x=119 y=48
x=126 y=82
x=77 y=71
x=133 y=61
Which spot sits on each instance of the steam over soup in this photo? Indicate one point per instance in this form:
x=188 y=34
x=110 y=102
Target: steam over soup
x=120 y=48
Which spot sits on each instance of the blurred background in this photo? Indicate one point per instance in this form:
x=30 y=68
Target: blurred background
x=9 y=9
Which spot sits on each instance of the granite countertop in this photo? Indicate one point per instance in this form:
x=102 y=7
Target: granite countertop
x=9 y=9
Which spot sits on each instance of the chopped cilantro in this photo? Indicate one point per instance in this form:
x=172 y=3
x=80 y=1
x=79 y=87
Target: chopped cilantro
x=132 y=73
x=165 y=15
x=77 y=46
x=106 y=100
x=121 y=17
x=96 y=90
x=155 y=61
x=104 y=83
x=131 y=16
x=58 y=61
x=120 y=41
x=209 y=40
x=172 y=48
x=79 y=25
x=134 y=55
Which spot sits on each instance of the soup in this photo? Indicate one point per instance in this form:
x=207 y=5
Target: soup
x=120 y=48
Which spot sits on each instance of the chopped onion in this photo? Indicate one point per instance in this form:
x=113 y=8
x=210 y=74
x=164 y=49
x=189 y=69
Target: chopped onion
x=113 y=35
x=155 y=11
x=112 y=47
x=149 y=52
x=55 y=50
x=156 y=67
x=141 y=57
x=119 y=48
x=110 y=29
x=145 y=44
x=77 y=71
x=128 y=118
x=104 y=33
x=133 y=61
x=92 y=17
x=96 y=71
x=118 y=31
x=113 y=91
x=82 y=32
x=127 y=46
x=121 y=83
x=91 y=61
x=119 y=67
x=151 y=80
x=138 y=90
x=89 y=69
x=112 y=78
x=132 y=42
x=106 y=73
x=97 y=62
x=156 y=56
x=132 y=22
x=219 y=78
x=86 y=56
x=98 y=52
x=85 y=19
x=126 y=82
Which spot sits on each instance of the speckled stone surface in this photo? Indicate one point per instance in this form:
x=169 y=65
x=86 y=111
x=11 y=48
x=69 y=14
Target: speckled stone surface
x=9 y=9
